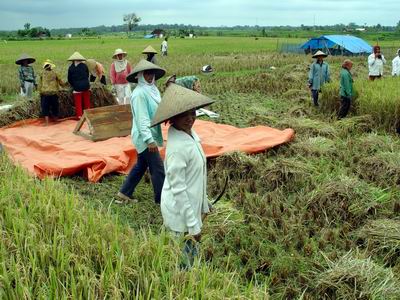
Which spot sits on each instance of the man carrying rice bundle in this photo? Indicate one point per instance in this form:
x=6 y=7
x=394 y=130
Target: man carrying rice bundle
x=318 y=75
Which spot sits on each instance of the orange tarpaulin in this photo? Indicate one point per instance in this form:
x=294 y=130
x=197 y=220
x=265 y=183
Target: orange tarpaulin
x=54 y=150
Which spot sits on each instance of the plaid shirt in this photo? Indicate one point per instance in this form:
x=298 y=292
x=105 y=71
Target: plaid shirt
x=26 y=74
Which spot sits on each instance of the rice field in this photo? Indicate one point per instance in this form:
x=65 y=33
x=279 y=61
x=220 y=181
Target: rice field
x=315 y=219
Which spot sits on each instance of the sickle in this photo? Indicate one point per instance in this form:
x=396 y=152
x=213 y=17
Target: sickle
x=222 y=192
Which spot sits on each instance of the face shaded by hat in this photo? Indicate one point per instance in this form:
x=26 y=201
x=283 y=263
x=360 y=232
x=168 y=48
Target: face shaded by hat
x=178 y=100
x=145 y=65
x=170 y=79
x=118 y=52
x=25 y=57
x=48 y=64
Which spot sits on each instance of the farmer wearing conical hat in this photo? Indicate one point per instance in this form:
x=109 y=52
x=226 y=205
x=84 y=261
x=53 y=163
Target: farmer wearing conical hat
x=376 y=60
x=318 y=75
x=27 y=77
x=151 y=54
x=78 y=78
x=96 y=71
x=184 y=195
x=144 y=102
x=120 y=68
x=50 y=84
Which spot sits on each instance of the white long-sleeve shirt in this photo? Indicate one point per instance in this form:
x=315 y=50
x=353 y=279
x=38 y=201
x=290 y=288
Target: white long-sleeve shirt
x=375 y=65
x=396 y=66
x=164 y=46
x=184 y=195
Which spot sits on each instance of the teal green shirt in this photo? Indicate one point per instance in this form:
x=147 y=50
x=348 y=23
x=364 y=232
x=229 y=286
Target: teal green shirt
x=143 y=110
x=346 y=83
x=187 y=81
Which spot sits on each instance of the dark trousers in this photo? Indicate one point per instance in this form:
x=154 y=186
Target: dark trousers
x=102 y=79
x=153 y=161
x=344 y=107
x=314 y=95
x=49 y=105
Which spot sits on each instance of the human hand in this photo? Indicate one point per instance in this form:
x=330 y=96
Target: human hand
x=152 y=147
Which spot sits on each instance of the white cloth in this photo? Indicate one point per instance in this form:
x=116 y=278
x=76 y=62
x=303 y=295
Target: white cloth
x=184 y=194
x=123 y=93
x=164 y=46
x=375 y=65
x=396 y=66
x=28 y=89
x=120 y=65
x=149 y=87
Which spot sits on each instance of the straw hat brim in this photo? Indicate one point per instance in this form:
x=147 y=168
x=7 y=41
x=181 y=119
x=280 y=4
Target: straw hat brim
x=169 y=78
x=319 y=53
x=145 y=65
x=177 y=100
x=48 y=63
x=26 y=57
x=76 y=56
x=149 y=50
x=119 y=51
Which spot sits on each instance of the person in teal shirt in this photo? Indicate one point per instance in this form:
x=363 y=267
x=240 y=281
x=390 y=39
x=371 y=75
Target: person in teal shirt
x=189 y=82
x=346 y=88
x=144 y=103
x=318 y=75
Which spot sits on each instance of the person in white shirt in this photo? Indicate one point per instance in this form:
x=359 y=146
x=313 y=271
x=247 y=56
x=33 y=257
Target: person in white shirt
x=375 y=64
x=396 y=64
x=184 y=201
x=164 y=47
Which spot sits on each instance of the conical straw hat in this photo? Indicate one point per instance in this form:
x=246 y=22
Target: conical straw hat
x=91 y=64
x=48 y=62
x=76 y=56
x=169 y=78
x=27 y=57
x=148 y=50
x=319 y=53
x=177 y=100
x=144 y=65
x=119 y=51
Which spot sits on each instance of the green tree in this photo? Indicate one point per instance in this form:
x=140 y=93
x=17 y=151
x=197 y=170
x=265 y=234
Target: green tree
x=131 y=21
x=27 y=26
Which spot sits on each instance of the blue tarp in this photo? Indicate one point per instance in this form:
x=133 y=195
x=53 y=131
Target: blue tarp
x=149 y=36
x=349 y=43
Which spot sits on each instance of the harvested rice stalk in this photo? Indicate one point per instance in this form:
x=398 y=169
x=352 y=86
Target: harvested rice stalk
x=351 y=277
x=30 y=108
x=382 y=236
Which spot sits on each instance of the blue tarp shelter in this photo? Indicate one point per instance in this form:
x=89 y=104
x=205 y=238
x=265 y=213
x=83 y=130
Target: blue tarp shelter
x=338 y=45
x=149 y=36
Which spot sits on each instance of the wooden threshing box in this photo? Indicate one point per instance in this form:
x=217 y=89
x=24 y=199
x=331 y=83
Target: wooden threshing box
x=105 y=122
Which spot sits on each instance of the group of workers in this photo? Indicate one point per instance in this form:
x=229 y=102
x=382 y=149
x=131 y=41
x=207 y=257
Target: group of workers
x=81 y=73
x=319 y=74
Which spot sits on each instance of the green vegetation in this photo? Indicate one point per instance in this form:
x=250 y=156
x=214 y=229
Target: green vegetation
x=313 y=219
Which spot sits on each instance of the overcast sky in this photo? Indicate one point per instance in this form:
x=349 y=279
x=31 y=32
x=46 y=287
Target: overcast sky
x=89 y=13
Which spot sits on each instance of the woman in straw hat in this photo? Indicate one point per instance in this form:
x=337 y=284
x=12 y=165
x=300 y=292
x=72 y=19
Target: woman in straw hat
x=346 y=88
x=184 y=196
x=151 y=54
x=318 y=75
x=96 y=71
x=50 y=84
x=120 y=68
x=26 y=74
x=144 y=102
x=78 y=78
